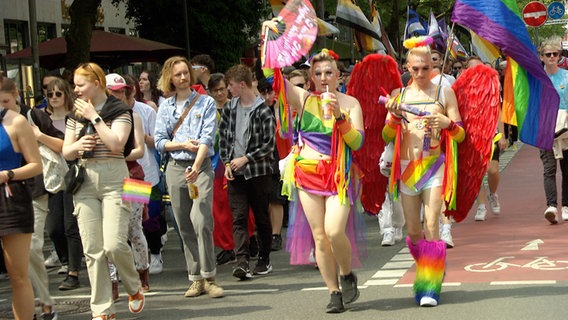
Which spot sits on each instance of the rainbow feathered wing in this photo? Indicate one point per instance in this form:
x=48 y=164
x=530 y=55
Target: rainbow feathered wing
x=370 y=78
x=477 y=92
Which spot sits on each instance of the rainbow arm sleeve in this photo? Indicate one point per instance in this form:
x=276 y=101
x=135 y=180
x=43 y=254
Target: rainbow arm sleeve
x=389 y=130
x=352 y=137
x=456 y=131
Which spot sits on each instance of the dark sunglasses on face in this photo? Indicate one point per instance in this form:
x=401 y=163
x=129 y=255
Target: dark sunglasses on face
x=57 y=94
x=301 y=85
x=551 y=54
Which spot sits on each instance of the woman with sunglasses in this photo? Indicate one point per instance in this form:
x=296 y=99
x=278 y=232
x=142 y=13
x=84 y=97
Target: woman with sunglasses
x=48 y=135
x=549 y=55
x=61 y=224
x=19 y=161
x=101 y=214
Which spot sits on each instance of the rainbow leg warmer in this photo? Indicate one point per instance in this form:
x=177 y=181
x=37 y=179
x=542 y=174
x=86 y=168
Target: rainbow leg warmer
x=430 y=268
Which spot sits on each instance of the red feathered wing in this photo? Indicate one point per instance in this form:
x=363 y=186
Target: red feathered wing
x=477 y=92
x=371 y=78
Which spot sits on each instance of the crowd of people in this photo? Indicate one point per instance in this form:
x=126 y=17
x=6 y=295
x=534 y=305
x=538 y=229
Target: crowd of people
x=212 y=144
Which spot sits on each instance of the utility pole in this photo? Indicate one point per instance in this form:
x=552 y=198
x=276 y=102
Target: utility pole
x=35 y=49
x=186 y=20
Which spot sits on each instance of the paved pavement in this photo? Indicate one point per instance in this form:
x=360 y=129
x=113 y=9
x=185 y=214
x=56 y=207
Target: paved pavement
x=511 y=266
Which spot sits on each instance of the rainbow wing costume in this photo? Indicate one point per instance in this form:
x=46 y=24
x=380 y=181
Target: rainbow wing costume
x=370 y=78
x=477 y=92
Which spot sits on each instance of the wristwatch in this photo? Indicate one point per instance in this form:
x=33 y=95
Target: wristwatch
x=341 y=117
x=96 y=120
x=10 y=174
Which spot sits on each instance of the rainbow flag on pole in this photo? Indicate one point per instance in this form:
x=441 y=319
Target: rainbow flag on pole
x=535 y=99
x=136 y=190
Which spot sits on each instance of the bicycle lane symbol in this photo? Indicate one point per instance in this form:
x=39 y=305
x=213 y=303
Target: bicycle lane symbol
x=539 y=263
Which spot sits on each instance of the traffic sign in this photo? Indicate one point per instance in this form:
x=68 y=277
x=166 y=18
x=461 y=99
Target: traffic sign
x=535 y=14
x=556 y=10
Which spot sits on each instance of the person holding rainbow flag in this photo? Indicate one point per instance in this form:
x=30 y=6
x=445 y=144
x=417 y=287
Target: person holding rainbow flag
x=421 y=169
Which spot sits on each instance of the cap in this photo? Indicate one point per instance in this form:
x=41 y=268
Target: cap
x=115 y=82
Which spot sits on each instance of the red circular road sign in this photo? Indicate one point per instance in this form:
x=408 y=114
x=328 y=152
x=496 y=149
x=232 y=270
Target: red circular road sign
x=535 y=14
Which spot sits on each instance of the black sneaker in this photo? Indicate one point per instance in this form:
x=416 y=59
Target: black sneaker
x=226 y=256
x=253 y=247
x=242 y=271
x=349 y=287
x=263 y=266
x=70 y=283
x=335 y=304
x=276 y=242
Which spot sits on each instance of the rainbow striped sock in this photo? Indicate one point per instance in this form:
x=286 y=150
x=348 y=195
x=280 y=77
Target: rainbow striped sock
x=430 y=269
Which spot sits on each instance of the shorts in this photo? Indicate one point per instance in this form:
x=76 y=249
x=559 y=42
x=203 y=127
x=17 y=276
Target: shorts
x=16 y=211
x=496 y=152
x=435 y=181
x=276 y=196
x=315 y=176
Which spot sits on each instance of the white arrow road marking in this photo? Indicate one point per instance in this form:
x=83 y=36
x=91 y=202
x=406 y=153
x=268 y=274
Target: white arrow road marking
x=532 y=245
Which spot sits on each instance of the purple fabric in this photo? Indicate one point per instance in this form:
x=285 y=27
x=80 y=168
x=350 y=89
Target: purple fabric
x=317 y=141
x=300 y=241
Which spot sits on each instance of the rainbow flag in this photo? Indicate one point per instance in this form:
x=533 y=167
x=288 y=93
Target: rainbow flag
x=535 y=99
x=136 y=190
x=483 y=48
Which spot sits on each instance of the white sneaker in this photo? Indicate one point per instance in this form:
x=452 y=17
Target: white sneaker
x=565 y=213
x=481 y=213
x=52 y=261
x=447 y=238
x=398 y=234
x=428 y=302
x=550 y=215
x=493 y=199
x=156 y=264
x=63 y=270
x=388 y=239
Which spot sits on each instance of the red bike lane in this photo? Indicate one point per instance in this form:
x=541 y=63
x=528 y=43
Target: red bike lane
x=519 y=244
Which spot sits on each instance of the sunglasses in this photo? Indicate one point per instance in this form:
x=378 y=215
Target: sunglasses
x=435 y=59
x=551 y=54
x=457 y=68
x=57 y=94
x=300 y=85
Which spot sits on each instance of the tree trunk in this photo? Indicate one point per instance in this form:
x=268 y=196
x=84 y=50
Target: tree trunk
x=83 y=15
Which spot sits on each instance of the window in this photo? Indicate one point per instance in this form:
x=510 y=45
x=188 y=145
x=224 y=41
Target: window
x=46 y=31
x=117 y=30
x=16 y=33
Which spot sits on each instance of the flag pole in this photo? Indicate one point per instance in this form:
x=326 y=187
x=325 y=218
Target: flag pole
x=449 y=42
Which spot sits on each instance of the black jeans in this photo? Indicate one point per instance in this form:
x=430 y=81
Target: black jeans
x=253 y=193
x=549 y=164
x=62 y=228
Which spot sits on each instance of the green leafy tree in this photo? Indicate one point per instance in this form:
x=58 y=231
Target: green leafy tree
x=83 y=15
x=222 y=29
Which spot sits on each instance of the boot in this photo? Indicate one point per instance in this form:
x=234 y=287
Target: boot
x=430 y=271
x=144 y=279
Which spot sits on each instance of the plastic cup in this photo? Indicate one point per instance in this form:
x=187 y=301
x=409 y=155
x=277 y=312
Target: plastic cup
x=326 y=98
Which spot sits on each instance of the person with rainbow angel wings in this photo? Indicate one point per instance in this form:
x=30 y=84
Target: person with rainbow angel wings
x=421 y=168
x=323 y=177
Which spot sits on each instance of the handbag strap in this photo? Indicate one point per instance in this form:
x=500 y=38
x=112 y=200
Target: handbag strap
x=185 y=113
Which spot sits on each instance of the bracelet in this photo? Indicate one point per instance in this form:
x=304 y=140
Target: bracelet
x=228 y=164
x=341 y=117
